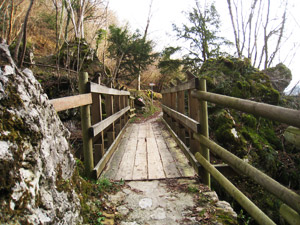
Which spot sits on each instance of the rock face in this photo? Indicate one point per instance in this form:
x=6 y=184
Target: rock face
x=35 y=158
x=280 y=76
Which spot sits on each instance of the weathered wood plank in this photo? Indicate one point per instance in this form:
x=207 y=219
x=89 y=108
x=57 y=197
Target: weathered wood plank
x=132 y=115
x=126 y=166
x=155 y=167
x=102 y=163
x=191 y=84
x=142 y=131
x=169 y=164
x=61 y=104
x=149 y=131
x=115 y=161
x=185 y=171
x=97 y=88
x=97 y=128
x=185 y=120
x=140 y=165
x=134 y=131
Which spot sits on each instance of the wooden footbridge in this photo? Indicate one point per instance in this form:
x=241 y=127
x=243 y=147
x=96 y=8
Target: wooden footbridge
x=147 y=151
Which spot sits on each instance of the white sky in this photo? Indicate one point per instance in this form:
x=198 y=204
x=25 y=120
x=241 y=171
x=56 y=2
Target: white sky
x=168 y=12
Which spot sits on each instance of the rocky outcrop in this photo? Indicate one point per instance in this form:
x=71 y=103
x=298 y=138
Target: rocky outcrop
x=35 y=159
x=280 y=76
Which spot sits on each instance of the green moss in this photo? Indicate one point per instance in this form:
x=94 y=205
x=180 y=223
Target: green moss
x=225 y=218
x=13 y=98
x=249 y=120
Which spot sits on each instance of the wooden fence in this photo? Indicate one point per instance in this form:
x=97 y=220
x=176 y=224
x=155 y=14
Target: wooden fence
x=102 y=127
x=185 y=114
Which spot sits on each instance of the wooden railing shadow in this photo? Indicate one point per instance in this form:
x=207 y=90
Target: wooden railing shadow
x=102 y=127
x=185 y=114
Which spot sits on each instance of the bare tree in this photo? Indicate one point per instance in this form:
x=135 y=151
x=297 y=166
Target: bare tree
x=22 y=36
x=25 y=33
x=248 y=26
x=145 y=36
x=9 y=24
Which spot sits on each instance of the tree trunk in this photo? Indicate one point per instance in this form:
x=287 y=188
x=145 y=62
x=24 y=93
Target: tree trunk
x=18 y=44
x=139 y=82
x=25 y=33
x=237 y=41
x=10 y=21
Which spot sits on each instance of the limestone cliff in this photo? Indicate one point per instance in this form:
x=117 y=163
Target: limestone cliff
x=34 y=153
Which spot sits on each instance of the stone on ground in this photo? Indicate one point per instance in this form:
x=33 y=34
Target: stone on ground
x=173 y=201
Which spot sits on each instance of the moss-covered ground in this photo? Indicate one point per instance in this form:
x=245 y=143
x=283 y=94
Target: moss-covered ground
x=93 y=196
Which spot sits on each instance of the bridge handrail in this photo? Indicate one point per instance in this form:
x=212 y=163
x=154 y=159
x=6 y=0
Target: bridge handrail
x=173 y=118
x=70 y=102
x=280 y=114
x=119 y=108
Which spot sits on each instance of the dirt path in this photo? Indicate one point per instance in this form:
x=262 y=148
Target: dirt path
x=174 y=201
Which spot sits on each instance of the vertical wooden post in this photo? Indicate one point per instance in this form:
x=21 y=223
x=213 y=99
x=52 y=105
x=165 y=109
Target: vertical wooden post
x=109 y=106
x=123 y=118
x=193 y=112
x=98 y=141
x=181 y=109
x=204 y=131
x=85 y=125
x=118 y=123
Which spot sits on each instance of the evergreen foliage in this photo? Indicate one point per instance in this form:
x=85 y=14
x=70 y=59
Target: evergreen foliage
x=202 y=35
x=132 y=52
x=169 y=68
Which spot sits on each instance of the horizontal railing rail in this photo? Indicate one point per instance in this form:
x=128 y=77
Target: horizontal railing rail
x=277 y=113
x=194 y=121
x=100 y=89
x=280 y=191
x=189 y=85
x=71 y=102
x=185 y=120
x=102 y=125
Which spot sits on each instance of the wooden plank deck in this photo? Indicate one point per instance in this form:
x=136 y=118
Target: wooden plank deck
x=147 y=152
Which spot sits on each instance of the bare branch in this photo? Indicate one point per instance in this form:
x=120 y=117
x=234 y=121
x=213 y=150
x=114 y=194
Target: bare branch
x=279 y=38
x=237 y=41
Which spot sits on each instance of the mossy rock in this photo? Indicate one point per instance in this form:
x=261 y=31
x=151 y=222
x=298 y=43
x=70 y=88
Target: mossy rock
x=237 y=78
x=292 y=135
x=225 y=130
x=280 y=76
x=249 y=120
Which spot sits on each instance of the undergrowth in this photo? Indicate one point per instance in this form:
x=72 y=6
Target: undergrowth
x=93 y=196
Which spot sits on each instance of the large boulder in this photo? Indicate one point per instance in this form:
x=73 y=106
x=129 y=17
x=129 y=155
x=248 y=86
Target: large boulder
x=280 y=76
x=238 y=78
x=36 y=163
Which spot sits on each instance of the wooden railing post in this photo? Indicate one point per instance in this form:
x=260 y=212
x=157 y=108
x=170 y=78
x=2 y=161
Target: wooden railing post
x=109 y=106
x=118 y=123
x=181 y=109
x=193 y=106
x=98 y=141
x=204 y=131
x=85 y=125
